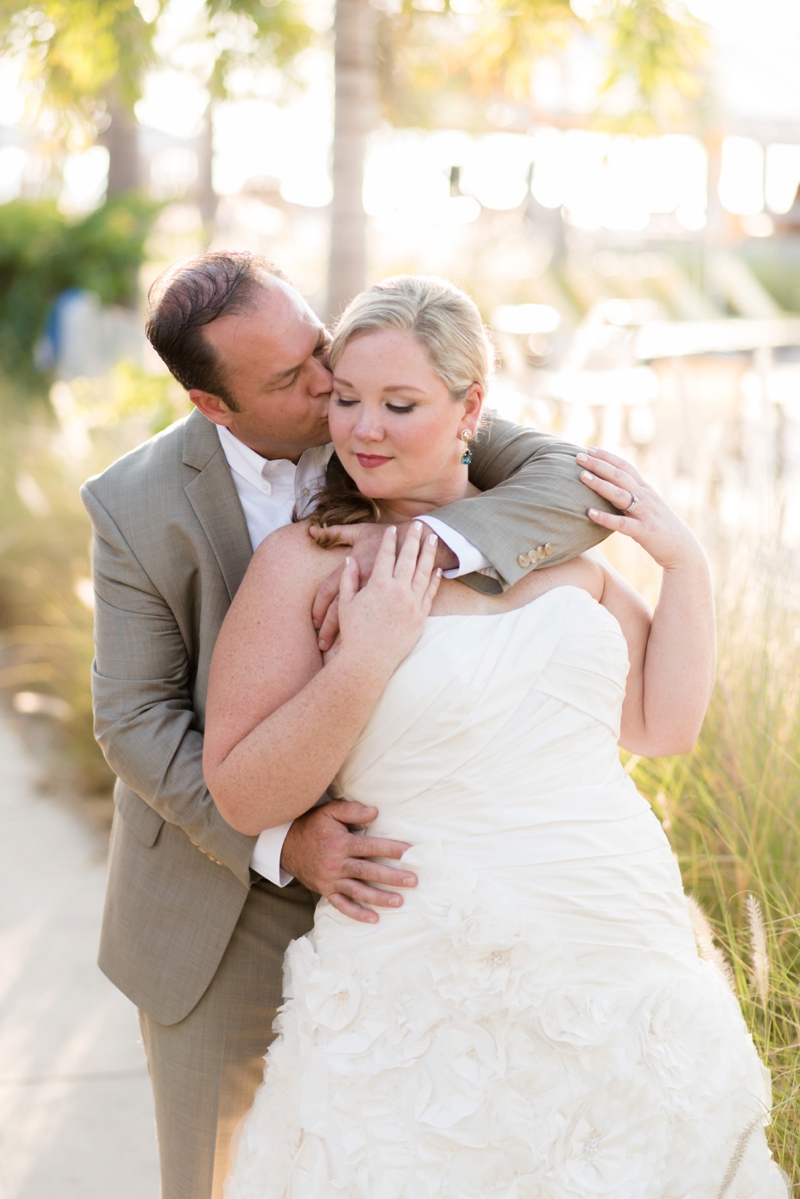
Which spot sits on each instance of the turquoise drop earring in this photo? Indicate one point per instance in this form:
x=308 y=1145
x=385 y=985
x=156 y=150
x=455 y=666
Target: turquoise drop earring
x=466 y=457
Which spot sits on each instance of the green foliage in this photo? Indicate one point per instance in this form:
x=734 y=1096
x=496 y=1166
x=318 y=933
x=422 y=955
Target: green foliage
x=79 y=51
x=654 y=49
x=250 y=34
x=428 y=59
x=43 y=254
x=656 y=55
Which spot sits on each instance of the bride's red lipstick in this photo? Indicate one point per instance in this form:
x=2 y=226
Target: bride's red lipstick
x=370 y=460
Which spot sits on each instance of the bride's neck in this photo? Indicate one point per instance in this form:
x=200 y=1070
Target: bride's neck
x=400 y=509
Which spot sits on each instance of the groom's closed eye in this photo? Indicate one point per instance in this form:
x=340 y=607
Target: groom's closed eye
x=287 y=380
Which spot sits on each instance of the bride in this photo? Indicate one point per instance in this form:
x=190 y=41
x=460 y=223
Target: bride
x=534 y=1022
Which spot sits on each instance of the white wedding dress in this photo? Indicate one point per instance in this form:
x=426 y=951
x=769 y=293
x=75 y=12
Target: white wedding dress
x=534 y=1022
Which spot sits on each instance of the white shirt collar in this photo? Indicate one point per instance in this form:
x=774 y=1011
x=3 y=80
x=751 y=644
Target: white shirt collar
x=306 y=477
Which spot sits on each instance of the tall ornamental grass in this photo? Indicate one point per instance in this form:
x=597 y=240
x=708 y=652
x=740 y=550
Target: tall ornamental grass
x=730 y=809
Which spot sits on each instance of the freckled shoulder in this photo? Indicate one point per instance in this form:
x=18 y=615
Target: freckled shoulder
x=292 y=554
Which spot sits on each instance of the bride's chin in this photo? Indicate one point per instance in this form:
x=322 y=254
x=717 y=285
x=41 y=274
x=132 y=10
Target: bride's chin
x=378 y=493
x=371 y=487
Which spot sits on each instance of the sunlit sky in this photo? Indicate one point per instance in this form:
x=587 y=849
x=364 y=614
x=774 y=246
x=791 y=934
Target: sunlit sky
x=757 y=45
x=601 y=181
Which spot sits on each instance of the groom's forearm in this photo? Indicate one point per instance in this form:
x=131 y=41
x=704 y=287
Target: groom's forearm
x=533 y=500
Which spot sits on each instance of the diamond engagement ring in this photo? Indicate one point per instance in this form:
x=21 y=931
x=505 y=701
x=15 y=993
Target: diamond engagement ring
x=631 y=505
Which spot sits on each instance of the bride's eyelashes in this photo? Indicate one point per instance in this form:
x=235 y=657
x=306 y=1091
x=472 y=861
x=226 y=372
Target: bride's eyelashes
x=343 y=402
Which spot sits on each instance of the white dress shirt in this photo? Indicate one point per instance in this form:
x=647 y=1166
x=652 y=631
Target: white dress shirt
x=268 y=490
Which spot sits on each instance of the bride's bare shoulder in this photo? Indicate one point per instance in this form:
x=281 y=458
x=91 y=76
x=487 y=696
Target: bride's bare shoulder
x=290 y=553
x=290 y=541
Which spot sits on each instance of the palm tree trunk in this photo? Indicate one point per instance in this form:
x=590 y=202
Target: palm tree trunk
x=207 y=198
x=121 y=139
x=354 y=119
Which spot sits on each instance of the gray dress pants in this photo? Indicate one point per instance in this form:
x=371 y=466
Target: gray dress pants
x=205 y=1070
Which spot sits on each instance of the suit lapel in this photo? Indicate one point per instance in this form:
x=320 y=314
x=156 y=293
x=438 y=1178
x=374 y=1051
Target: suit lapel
x=212 y=494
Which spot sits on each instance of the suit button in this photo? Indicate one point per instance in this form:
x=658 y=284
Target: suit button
x=523 y=560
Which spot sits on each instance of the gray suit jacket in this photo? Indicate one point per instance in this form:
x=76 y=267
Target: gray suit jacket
x=170 y=549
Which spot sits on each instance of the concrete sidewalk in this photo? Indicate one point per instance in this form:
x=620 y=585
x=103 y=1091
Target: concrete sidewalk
x=76 y=1113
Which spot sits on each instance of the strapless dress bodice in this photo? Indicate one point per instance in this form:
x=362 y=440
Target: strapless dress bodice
x=494 y=753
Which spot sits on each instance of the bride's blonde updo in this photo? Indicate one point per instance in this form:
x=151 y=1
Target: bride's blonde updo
x=447 y=323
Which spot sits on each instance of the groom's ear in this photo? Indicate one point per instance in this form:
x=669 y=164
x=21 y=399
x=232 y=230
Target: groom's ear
x=214 y=407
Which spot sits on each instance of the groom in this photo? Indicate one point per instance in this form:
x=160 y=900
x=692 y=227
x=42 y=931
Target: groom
x=198 y=916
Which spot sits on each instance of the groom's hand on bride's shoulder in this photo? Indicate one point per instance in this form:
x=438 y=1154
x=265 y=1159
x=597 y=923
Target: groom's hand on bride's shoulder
x=364 y=541
x=323 y=853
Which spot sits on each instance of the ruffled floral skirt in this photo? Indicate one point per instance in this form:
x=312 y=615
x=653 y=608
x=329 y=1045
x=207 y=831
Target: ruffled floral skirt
x=463 y=1056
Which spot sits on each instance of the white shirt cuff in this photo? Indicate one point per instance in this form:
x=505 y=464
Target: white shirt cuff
x=266 y=859
x=469 y=557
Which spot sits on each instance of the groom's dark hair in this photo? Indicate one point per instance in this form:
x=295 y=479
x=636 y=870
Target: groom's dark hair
x=190 y=295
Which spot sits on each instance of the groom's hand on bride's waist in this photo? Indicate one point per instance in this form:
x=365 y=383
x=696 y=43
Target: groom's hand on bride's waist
x=326 y=856
x=365 y=541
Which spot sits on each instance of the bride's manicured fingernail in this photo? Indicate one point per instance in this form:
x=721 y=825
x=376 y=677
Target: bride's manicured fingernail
x=347 y=561
x=582 y=457
x=395 y=901
x=586 y=476
x=417 y=526
x=592 y=449
x=593 y=512
x=432 y=539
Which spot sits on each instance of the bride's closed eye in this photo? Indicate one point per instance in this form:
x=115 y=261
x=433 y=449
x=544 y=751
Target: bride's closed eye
x=344 y=402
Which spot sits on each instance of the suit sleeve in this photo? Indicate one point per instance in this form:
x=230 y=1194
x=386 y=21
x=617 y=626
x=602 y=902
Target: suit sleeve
x=532 y=497
x=144 y=718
